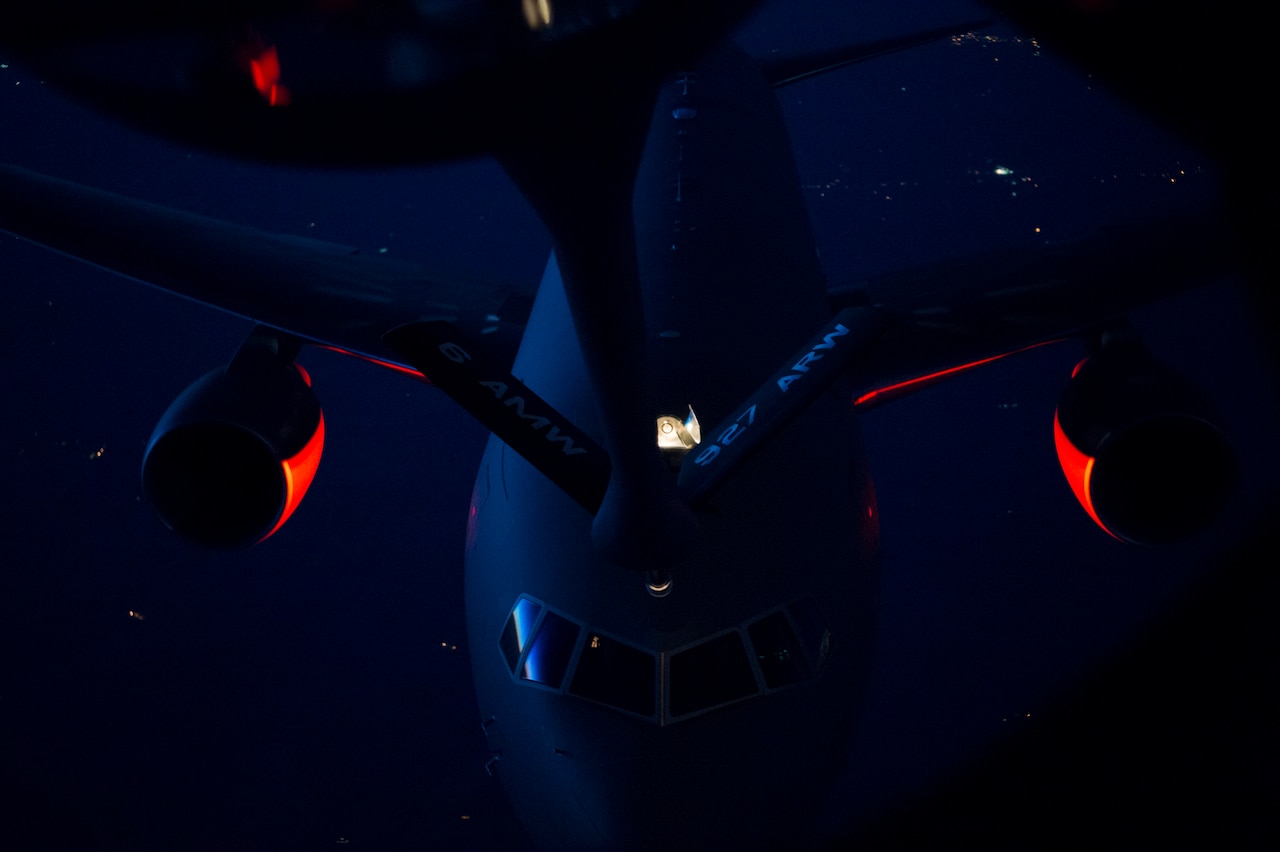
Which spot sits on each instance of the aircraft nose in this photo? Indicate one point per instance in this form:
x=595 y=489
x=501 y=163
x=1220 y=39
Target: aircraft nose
x=698 y=806
x=711 y=782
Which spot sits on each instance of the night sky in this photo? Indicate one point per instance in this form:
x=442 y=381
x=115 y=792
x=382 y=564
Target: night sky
x=1036 y=684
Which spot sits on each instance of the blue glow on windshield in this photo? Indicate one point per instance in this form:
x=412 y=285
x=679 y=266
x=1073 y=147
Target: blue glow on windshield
x=523 y=617
x=548 y=657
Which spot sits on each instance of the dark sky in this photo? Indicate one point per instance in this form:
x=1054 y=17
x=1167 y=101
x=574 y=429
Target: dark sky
x=1033 y=680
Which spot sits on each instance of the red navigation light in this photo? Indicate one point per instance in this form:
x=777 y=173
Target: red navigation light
x=265 y=68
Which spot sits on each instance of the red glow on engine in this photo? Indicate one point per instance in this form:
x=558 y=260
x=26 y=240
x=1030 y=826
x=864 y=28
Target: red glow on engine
x=1078 y=468
x=298 y=472
x=265 y=68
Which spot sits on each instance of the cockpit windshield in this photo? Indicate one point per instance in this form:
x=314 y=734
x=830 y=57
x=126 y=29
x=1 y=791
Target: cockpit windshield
x=779 y=649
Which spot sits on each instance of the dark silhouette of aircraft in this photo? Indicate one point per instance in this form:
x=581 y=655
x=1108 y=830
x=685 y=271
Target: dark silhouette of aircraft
x=673 y=538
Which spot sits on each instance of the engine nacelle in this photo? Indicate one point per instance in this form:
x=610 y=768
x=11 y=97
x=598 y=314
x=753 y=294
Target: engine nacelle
x=1140 y=449
x=234 y=454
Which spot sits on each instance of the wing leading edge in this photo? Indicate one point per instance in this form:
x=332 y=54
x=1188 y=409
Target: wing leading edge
x=320 y=292
x=954 y=315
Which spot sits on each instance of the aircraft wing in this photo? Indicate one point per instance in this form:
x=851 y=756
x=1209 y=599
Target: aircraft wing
x=962 y=313
x=899 y=333
x=321 y=292
x=458 y=335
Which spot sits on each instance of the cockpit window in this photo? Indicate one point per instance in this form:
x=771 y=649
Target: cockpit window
x=780 y=649
x=815 y=633
x=712 y=673
x=549 y=653
x=616 y=674
x=519 y=630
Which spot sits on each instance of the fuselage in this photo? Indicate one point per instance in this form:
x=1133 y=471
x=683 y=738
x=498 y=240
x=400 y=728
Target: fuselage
x=715 y=714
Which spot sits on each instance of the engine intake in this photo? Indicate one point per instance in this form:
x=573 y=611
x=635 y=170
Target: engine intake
x=1140 y=448
x=234 y=454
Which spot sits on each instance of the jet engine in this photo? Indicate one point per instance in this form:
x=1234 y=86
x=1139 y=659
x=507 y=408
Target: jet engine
x=1140 y=448
x=234 y=454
